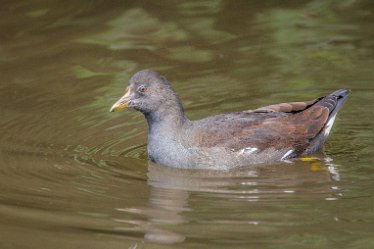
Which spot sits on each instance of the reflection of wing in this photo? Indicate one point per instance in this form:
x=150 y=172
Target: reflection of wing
x=292 y=125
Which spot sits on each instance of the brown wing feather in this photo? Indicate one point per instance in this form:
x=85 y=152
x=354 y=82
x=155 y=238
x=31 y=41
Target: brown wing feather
x=287 y=107
x=291 y=131
x=292 y=126
x=295 y=126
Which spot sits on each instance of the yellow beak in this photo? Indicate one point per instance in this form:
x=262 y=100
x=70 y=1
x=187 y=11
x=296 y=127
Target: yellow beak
x=122 y=103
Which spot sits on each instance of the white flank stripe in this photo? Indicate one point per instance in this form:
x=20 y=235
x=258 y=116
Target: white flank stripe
x=248 y=150
x=287 y=154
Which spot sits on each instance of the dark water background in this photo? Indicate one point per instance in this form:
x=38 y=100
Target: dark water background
x=73 y=175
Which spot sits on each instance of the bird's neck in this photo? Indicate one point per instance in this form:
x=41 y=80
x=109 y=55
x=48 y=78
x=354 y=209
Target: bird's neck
x=167 y=119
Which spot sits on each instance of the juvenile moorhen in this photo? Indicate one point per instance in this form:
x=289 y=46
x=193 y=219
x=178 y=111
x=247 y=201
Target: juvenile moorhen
x=272 y=133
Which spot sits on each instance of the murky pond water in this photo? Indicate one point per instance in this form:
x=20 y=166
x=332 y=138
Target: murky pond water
x=73 y=175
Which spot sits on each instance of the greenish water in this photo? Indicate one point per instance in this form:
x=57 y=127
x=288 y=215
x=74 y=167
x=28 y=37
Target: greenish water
x=73 y=175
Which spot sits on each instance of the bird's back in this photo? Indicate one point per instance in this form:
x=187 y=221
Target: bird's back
x=293 y=128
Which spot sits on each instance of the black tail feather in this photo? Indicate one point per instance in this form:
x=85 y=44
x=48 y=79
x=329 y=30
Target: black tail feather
x=334 y=102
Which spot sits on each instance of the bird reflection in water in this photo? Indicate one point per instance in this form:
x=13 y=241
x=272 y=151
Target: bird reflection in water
x=171 y=189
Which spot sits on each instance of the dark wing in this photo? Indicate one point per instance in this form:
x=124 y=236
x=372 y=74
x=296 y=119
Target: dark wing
x=276 y=130
x=292 y=125
x=292 y=107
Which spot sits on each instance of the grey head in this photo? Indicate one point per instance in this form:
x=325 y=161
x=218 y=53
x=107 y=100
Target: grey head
x=152 y=94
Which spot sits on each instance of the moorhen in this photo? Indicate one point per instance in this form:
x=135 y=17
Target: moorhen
x=268 y=134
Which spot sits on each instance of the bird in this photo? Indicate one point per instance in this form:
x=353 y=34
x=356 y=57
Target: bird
x=278 y=132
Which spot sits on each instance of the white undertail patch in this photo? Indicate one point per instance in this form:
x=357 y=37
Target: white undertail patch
x=329 y=125
x=287 y=154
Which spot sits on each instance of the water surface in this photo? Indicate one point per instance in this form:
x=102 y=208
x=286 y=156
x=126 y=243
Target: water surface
x=73 y=175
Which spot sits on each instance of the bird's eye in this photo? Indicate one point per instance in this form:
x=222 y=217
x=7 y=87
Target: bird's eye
x=142 y=89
